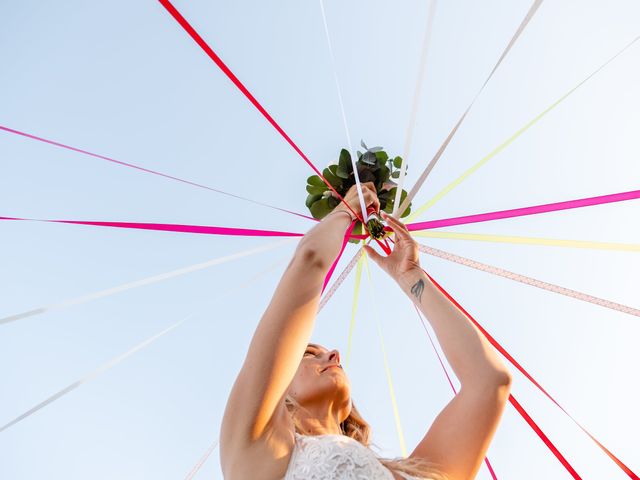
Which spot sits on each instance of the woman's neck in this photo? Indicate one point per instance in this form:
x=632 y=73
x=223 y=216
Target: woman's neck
x=318 y=421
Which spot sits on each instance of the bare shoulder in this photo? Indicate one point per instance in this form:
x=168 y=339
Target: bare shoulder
x=264 y=458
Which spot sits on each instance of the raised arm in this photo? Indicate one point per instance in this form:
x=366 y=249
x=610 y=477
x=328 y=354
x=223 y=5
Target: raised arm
x=460 y=435
x=256 y=404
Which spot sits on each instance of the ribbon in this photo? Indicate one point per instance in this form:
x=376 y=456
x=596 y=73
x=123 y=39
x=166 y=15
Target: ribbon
x=236 y=81
x=111 y=363
x=341 y=278
x=196 y=468
x=116 y=360
x=171 y=227
x=345 y=240
x=529 y=281
x=147 y=170
x=387 y=370
x=534 y=210
x=518 y=407
x=140 y=283
x=414 y=105
x=525 y=21
x=455 y=392
x=553 y=242
x=511 y=139
x=534 y=426
x=363 y=207
x=354 y=307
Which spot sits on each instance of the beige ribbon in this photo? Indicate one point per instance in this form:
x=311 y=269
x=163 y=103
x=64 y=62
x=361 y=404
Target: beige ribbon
x=414 y=190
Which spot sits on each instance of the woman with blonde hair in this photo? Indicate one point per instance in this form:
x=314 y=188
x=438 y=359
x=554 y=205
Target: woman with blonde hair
x=290 y=414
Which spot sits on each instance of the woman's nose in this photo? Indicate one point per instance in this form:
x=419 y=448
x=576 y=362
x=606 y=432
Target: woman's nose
x=334 y=355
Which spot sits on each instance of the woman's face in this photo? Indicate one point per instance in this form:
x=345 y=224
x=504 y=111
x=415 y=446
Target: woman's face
x=320 y=378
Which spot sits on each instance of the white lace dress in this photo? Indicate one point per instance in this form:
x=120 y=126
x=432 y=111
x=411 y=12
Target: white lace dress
x=335 y=457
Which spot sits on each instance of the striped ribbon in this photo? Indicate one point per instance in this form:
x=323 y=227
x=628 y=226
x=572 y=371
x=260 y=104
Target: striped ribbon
x=414 y=190
x=512 y=139
x=552 y=242
x=519 y=407
x=147 y=170
x=529 y=281
x=341 y=278
x=140 y=283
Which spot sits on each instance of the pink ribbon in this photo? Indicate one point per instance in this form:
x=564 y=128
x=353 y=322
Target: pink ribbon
x=347 y=234
x=147 y=170
x=170 y=227
x=520 y=212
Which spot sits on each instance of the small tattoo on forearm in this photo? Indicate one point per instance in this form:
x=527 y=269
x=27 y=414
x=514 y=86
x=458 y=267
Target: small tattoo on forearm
x=417 y=289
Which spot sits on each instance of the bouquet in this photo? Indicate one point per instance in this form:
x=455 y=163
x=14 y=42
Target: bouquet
x=374 y=165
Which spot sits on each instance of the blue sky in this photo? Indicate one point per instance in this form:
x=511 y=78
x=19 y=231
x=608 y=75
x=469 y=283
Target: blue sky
x=122 y=79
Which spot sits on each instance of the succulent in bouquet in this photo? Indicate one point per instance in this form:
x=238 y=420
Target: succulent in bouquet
x=374 y=165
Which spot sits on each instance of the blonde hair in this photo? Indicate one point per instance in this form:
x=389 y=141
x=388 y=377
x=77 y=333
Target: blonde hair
x=356 y=427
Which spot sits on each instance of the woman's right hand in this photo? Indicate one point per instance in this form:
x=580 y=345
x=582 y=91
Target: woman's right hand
x=352 y=199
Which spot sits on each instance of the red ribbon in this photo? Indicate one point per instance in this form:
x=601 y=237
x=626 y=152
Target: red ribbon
x=236 y=81
x=518 y=407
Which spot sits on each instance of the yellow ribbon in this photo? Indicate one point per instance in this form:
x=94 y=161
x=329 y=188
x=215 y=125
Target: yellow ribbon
x=354 y=308
x=509 y=141
x=394 y=403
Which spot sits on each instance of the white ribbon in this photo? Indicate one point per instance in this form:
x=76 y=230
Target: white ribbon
x=434 y=160
x=414 y=105
x=140 y=283
x=363 y=206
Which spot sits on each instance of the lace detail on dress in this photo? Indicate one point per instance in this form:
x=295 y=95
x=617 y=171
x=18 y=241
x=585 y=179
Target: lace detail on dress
x=334 y=457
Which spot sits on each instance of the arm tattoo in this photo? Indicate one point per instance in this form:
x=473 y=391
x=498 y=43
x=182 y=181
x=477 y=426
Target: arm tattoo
x=417 y=289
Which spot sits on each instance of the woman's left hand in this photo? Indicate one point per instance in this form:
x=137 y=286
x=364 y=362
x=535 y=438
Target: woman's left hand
x=405 y=257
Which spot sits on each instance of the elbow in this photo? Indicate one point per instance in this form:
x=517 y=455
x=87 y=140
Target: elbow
x=496 y=380
x=503 y=378
x=308 y=255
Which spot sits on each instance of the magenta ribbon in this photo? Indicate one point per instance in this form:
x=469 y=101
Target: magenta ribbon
x=481 y=217
x=170 y=227
x=347 y=235
x=520 y=212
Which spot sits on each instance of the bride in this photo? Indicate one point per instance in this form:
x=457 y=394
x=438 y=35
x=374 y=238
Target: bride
x=290 y=414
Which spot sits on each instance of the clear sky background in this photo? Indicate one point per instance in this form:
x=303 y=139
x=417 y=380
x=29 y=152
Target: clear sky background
x=123 y=79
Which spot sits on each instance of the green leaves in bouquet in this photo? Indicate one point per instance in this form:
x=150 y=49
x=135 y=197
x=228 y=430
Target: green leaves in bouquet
x=374 y=165
x=390 y=199
x=331 y=174
x=321 y=208
x=311 y=199
x=345 y=168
